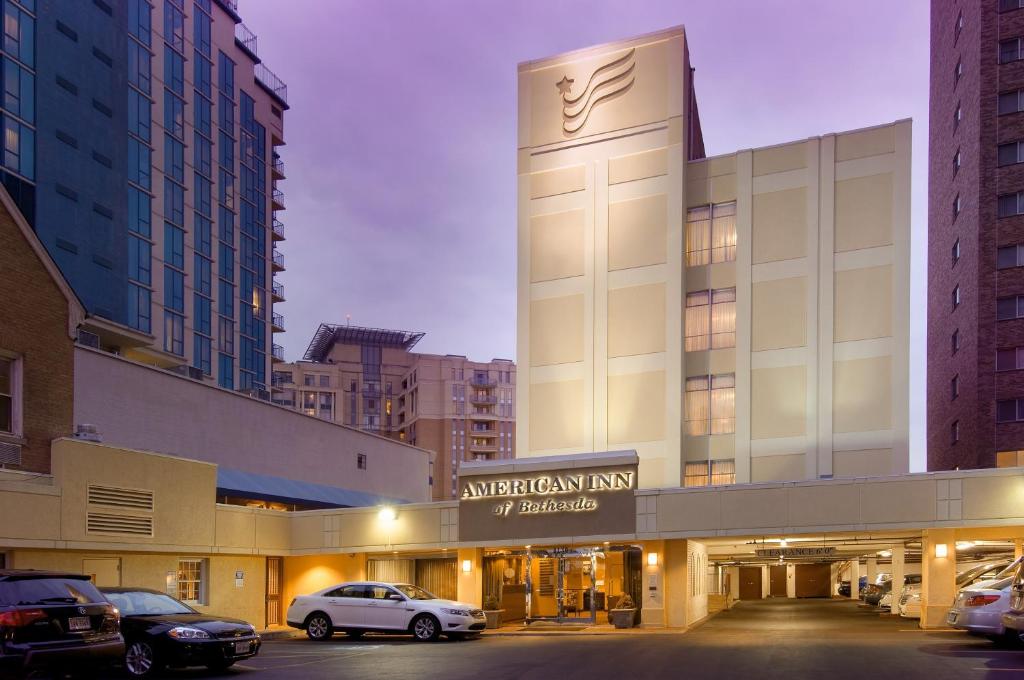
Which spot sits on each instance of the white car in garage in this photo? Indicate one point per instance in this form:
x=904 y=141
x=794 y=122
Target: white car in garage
x=364 y=606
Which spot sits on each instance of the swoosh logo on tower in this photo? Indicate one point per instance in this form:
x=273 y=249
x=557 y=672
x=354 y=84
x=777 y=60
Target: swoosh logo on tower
x=607 y=81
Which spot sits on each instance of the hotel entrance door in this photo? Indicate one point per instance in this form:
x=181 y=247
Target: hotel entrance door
x=561 y=586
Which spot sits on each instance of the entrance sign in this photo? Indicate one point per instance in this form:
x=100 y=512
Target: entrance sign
x=533 y=499
x=797 y=552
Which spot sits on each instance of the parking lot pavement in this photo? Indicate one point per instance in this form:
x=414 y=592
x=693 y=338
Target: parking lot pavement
x=771 y=639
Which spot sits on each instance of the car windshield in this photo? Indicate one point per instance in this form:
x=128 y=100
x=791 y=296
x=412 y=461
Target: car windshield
x=971 y=575
x=143 y=603
x=414 y=592
x=1009 y=571
x=48 y=591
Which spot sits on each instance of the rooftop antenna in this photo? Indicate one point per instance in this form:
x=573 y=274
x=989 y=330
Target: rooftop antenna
x=348 y=319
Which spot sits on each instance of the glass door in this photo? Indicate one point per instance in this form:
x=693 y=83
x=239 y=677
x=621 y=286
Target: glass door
x=561 y=585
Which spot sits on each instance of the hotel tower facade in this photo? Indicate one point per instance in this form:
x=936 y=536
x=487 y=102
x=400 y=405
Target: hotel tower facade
x=738 y=318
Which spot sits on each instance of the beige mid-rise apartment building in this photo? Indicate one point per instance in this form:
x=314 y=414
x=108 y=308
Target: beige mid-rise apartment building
x=369 y=378
x=739 y=318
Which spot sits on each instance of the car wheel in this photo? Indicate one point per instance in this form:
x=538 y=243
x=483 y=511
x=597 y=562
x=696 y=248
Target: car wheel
x=354 y=634
x=140 y=659
x=318 y=627
x=221 y=665
x=426 y=628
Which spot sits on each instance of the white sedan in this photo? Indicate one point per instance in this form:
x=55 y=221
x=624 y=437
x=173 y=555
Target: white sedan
x=364 y=606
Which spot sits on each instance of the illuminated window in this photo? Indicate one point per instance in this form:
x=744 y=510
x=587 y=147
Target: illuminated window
x=711 y=404
x=711 y=234
x=192 y=581
x=1006 y=459
x=710 y=473
x=710 y=319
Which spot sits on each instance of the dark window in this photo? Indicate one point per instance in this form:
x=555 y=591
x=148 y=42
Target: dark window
x=958 y=71
x=954 y=387
x=1010 y=102
x=1010 y=153
x=954 y=342
x=956 y=206
x=959 y=26
x=956 y=297
x=1009 y=256
x=1008 y=410
x=956 y=161
x=954 y=432
x=1009 y=307
x=361 y=461
x=1009 y=50
x=1010 y=359
x=1008 y=5
x=1009 y=205
x=957 y=116
x=955 y=251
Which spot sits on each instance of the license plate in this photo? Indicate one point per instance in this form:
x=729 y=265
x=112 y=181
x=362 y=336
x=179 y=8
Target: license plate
x=79 y=623
x=952 y=617
x=242 y=647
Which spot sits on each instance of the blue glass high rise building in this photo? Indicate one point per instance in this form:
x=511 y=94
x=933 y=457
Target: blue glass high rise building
x=140 y=142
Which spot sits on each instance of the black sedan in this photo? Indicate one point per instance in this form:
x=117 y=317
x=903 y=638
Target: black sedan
x=161 y=631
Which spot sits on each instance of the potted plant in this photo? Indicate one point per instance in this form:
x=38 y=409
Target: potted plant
x=492 y=610
x=623 y=613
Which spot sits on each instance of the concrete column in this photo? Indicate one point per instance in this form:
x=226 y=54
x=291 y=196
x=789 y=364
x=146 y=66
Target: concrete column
x=471 y=582
x=652 y=612
x=872 y=569
x=854 y=578
x=899 y=554
x=938 y=576
x=676 y=569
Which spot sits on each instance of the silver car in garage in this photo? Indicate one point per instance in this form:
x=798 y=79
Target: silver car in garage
x=980 y=611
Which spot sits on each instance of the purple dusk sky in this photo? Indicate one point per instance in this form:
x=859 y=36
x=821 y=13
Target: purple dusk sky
x=401 y=154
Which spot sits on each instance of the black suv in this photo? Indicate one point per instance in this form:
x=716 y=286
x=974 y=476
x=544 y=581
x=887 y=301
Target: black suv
x=55 y=620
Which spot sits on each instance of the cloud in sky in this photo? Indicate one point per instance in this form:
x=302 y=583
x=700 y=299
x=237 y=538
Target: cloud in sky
x=401 y=145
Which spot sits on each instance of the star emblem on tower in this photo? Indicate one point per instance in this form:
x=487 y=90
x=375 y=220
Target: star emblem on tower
x=564 y=85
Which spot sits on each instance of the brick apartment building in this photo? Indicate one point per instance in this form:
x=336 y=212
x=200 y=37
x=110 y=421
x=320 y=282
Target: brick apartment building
x=976 y=235
x=40 y=317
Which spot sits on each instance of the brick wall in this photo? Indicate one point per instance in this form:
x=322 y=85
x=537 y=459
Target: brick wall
x=34 y=325
x=979 y=182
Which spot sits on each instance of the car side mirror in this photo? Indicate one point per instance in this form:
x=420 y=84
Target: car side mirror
x=395 y=597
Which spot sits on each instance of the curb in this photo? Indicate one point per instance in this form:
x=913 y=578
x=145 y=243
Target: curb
x=280 y=634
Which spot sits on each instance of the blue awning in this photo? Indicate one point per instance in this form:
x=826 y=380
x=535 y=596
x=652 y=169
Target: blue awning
x=265 y=487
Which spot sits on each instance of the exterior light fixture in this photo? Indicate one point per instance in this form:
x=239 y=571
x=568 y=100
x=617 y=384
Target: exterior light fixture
x=467 y=566
x=387 y=514
x=885 y=553
x=941 y=550
x=652 y=559
x=783 y=543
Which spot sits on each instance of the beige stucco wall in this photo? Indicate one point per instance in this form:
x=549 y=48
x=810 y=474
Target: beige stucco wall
x=779 y=314
x=556 y=412
x=863 y=307
x=636 y=320
x=863 y=395
x=779 y=228
x=557 y=243
x=556 y=330
x=171 y=414
x=635 y=409
x=864 y=212
x=778 y=405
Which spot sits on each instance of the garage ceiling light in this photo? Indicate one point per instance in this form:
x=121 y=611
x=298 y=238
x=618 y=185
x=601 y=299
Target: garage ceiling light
x=941 y=550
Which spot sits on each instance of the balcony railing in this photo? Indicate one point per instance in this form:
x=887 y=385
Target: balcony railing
x=246 y=37
x=277 y=321
x=278 y=290
x=269 y=80
x=278 y=227
x=278 y=198
x=278 y=166
x=482 y=381
x=278 y=259
x=277 y=351
x=483 y=399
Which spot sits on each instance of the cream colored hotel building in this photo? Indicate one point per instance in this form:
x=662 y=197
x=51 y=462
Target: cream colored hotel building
x=739 y=318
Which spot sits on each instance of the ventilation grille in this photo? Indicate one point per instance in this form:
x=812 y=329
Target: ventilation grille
x=10 y=454
x=136 y=499
x=102 y=523
x=546 y=587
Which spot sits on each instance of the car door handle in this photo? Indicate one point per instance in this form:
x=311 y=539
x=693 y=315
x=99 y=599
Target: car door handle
x=332 y=602
x=371 y=604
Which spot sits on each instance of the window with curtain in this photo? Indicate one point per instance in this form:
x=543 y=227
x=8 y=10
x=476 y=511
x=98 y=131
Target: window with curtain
x=711 y=234
x=710 y=321
x=709 y=473
x=710 y=404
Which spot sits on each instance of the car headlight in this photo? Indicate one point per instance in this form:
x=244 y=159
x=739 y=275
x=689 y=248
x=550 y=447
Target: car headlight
x=456 y=612
x=186 y=633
